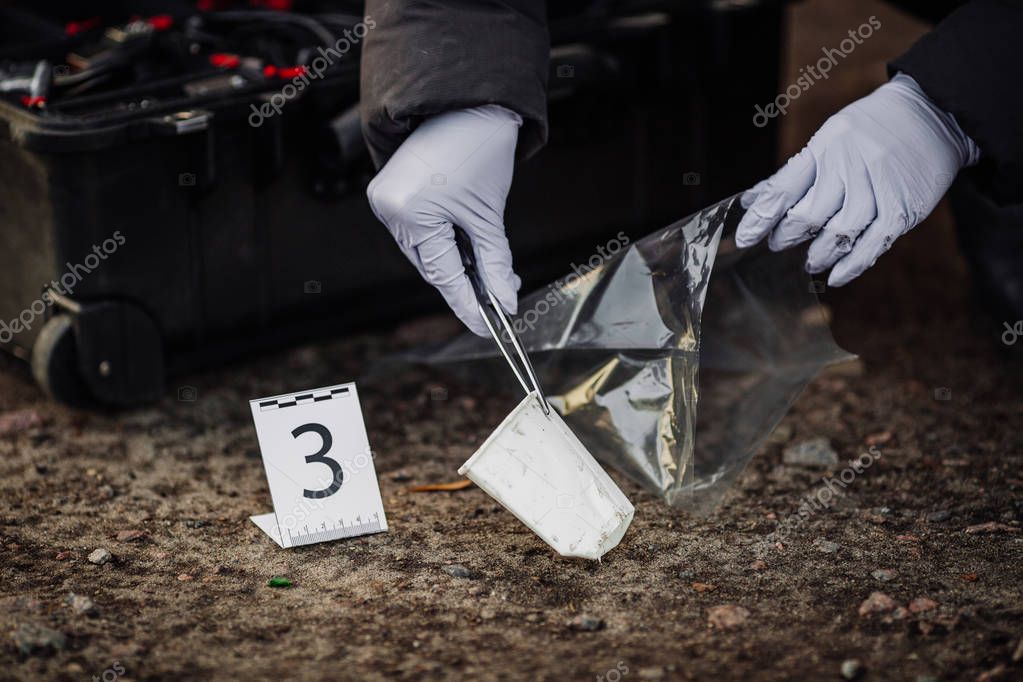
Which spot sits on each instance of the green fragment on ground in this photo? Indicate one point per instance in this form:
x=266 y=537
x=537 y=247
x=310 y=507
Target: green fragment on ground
x=278 y=581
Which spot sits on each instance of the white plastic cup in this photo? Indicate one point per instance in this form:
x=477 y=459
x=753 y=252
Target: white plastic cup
x=539 y=471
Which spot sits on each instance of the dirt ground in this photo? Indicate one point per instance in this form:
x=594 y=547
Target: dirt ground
x=933 y=524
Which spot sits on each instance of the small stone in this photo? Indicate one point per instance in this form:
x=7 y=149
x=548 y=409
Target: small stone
x=781 y=435
x=106 y=492
x=879 y=438
x=825 y=546
x=851 y=668
x=816 y=452
x=64 y=556
x=727 y=616
x=921 y=604
x=996 y=673
x=100 y=556
x=184 y=577
x=758 y=565
x=22 y=604
x=883 y=574
x=16 y=422
x=130 y=535
x=487 y=613
x=457 y=571
x=938 y=516
x=31 y=638
x=850 y=368
x=991 y=527
x=877 y=602
x=652 y=673
x=586 y=623
x=704 y=587
x=80 y=604
x=119 y=652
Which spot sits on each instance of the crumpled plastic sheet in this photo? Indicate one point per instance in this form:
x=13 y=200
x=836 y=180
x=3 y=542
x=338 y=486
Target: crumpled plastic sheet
x=675 y=359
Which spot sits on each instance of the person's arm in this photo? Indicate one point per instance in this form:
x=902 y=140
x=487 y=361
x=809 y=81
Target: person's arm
x=452 y=92
x=878 y=167
x=970 y=65
x=427 y=57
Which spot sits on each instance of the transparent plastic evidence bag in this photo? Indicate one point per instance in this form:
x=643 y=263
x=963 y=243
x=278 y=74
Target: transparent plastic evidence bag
x=673 y=359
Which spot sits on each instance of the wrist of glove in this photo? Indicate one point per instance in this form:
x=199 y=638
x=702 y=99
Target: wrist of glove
x=871 y=173
x=454 y=169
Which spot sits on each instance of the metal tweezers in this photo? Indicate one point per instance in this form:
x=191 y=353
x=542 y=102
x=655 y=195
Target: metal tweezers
x=485 y=300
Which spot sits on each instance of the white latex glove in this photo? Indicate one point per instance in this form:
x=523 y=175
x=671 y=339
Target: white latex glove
x=454 y=169
x=870 y=174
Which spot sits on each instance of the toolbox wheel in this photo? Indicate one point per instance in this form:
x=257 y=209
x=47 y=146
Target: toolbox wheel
x=55 y=363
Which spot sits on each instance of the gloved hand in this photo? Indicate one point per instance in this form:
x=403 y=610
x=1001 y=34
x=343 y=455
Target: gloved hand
x=454 y=169
x=870 y=174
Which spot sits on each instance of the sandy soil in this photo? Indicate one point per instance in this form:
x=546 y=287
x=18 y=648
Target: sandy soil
x=934 y=525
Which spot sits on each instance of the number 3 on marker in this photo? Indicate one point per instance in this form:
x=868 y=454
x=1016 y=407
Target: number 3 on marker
x=326 y=441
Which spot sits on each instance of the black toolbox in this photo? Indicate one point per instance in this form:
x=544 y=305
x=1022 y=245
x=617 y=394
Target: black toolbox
x=152 y=224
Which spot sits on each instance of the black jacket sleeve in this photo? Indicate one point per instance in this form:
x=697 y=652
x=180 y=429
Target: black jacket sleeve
x=971 y=66
x=424 y=57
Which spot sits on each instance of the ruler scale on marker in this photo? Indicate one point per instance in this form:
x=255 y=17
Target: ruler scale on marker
x=319 y=467
x=337 y=532
x=302 y=399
